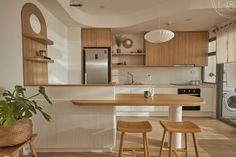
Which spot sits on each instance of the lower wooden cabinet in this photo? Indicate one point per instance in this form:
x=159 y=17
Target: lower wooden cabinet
x=186 y=48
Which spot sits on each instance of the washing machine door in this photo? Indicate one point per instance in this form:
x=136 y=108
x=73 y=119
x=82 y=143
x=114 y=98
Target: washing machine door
x=230 y=102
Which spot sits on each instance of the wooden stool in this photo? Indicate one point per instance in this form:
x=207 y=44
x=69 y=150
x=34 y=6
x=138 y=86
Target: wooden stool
x=134 y=127
x=179 y=127
x=18 y=149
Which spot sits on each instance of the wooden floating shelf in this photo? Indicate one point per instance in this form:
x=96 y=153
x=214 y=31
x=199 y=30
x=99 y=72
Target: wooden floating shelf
x=127 y=66
x=128 y=54
x=37 y=59
x=44 y=41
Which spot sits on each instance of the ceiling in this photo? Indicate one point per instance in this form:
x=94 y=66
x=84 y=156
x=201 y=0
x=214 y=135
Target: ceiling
x=137 y=16
x=116 y=7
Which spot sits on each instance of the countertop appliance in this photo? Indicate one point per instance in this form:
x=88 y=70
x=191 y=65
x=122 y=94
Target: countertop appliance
x=193 y=92
x=96 y=65
x=229 y=103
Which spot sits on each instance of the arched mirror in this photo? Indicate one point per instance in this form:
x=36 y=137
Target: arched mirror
x=127 y=43
x=35 y=24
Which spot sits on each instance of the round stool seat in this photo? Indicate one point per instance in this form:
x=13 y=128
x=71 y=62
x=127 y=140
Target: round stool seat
x=181 y=127
x=134 y=127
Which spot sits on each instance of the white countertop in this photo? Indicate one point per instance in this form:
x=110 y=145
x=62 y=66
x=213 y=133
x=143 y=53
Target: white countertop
x=204 y=85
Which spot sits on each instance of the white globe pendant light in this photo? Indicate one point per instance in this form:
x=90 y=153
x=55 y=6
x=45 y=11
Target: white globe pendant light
x=159 y=35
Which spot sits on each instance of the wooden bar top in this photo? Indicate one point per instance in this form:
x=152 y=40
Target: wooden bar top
x=139 y=100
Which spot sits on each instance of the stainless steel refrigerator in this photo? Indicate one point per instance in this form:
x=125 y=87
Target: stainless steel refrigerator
x=96 y=65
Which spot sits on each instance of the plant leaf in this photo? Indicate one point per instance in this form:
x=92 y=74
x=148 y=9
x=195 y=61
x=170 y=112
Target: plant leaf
x=43 y=92
x=9 y=121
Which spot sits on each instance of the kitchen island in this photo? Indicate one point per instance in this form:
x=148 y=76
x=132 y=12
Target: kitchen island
x=174 y=101
x=89 y=128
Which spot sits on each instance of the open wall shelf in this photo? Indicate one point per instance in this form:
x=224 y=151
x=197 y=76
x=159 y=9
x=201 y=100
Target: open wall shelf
x=38 y=59
x=44 y=41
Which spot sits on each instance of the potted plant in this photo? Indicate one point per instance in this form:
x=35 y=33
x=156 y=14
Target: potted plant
x=15 y=111
x=119 y=40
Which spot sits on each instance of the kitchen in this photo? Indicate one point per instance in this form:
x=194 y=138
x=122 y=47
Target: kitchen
x=96 y=130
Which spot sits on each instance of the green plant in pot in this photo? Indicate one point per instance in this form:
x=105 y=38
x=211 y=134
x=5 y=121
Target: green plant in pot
x=15 y=111
x=119 y=38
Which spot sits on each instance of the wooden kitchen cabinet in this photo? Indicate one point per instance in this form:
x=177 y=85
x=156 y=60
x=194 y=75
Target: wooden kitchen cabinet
x=96 y=37
x=186 y=48
x=191 y=48
x=159 y=54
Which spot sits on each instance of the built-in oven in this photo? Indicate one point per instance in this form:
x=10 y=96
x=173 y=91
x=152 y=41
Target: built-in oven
x=193 y=92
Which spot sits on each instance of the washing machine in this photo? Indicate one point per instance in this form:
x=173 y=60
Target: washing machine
x=229 y=103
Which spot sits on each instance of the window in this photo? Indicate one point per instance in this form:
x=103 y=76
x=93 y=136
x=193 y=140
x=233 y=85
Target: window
x=209 y=72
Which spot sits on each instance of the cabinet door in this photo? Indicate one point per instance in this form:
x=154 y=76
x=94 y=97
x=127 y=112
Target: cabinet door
x=191 y=48
x=89 y=37
x=159 y=54
x=104 y=37
x=208 y=94
x=183 y=48
x=200 y=48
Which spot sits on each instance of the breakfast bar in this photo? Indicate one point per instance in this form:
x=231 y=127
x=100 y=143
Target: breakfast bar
x=174 y=101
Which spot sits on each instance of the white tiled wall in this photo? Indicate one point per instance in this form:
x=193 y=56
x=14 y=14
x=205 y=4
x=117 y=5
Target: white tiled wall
x=160 y=75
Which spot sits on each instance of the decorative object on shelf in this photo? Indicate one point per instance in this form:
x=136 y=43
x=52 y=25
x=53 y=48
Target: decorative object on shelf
x=159 y=35
x=41 y=53
x=15 y=111
x=128 y=43
x=119 y=38
x=139 y=51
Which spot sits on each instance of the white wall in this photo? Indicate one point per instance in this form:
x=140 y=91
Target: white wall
x=74 y=55
x=11 y=69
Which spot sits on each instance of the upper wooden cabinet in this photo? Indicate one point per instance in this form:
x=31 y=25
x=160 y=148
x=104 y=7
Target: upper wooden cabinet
x=159 y=54
x=191 y=48
x=186 y=48
x=96 y=37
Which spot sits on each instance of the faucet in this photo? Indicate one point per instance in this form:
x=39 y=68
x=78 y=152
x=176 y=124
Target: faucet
x=132 y=77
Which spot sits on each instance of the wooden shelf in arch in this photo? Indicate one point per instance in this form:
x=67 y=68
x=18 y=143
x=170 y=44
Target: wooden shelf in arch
x=38 y=59
x=44 y=41
x=127 y=66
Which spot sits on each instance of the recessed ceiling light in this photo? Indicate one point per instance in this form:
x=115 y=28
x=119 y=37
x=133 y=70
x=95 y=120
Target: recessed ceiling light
x=76 y=5
x=188 y=19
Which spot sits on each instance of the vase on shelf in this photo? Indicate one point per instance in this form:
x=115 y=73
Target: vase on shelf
x=118 y=50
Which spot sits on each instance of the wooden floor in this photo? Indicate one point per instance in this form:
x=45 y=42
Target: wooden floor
x=216 y=140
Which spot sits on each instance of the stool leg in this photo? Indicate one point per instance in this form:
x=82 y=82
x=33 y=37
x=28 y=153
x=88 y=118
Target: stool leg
x=144 y=144
x=170 y=145
x=195 y=144
x=162 y=143
x=32 y=149
x=147 y=145
x=21 y=154
x=133 y=152
x=121 y=144
x=186 y=144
